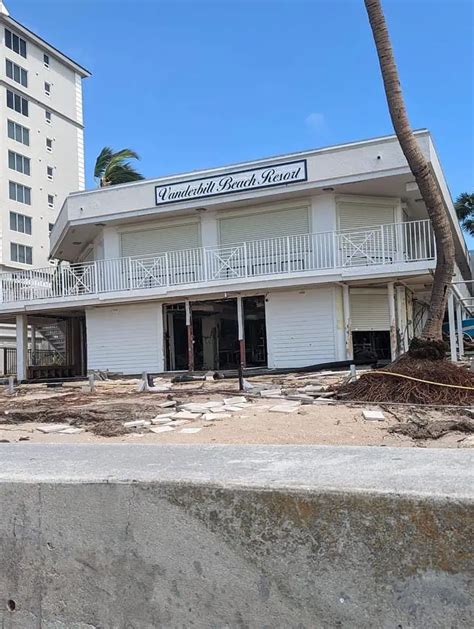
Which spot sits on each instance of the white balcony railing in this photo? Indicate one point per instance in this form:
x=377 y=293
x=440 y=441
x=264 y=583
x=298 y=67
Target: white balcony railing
x=396 y=243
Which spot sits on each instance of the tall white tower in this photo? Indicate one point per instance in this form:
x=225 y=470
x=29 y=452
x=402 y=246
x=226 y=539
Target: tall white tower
x=41 y=143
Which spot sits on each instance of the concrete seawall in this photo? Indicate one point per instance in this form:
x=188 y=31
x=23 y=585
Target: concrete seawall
x=130 y=536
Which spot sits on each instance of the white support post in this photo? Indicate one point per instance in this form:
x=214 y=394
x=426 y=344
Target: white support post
x=21 y=347
x=392 y=319
x=402 y=323
x=452 y=327
x=346 y=306
x=459 y=330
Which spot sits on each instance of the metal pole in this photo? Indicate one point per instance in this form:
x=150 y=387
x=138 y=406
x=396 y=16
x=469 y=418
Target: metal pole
x=241 y=333
x=459 y=329
x=452 y=327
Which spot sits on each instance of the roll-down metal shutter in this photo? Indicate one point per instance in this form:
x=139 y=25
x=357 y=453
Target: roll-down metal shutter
x=264 y=225
x=159 y=240
x=358 y=215
x=369 y=311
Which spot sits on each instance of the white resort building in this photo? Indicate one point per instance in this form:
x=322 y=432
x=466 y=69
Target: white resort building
x=41 y=145
x=287 y=261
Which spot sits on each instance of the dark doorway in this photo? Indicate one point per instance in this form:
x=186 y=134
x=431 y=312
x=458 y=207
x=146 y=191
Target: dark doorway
x=215 y=334
x=373 y=345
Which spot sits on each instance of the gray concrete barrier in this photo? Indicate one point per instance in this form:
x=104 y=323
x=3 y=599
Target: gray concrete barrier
x=125 y=536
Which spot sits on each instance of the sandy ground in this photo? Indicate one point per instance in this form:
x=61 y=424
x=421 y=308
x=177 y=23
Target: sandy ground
x=340 y=424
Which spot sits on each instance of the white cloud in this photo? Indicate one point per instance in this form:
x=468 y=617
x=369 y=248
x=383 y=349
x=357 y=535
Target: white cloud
x=316 y=121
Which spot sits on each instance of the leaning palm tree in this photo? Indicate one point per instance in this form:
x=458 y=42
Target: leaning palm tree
x=112 y=167
x=464 y=207
x=425 y=180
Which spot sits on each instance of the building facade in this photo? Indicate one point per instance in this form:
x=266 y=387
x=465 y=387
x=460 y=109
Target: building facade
x=41 y=143
x=288 y=261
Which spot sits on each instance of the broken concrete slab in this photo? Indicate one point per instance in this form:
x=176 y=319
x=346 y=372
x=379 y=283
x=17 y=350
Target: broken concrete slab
x=235 y=400
x=136 y=423
x=304 y=399
x=215 y=416
x=72 y=430
x=160 y=429
x=190 y=431
x=373 y=415
x=50 y=428
x=179 y=422
x=323 y=400
x=167 y=404
x=231 y=409
x=270 y=393
x=186 y=415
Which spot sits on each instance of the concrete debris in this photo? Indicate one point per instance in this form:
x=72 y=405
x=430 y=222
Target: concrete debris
x=136 y=423
x=163 y=416
x=167 y=404
x=50 y=428
x=270 y=393
x=161 y=420
x=190 y=431
x=239 y=399
x=215 y=416
x=374 y=416
x=186 y=415
x=231 y=409
x=311 y=388
x=285 y=407
x=209 y=376
x=160 y=429
x=247 y=386
x=323 y=400
x=179 y=422
x=194 y=407
x=71 y=431
x=304 y=399
x=216 y=409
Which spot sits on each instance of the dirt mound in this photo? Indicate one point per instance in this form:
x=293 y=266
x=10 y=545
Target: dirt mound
x=400 y=382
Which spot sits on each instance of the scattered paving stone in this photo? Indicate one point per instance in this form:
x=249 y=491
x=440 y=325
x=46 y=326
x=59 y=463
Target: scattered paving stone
x=270 y=393
x=179 y=422
x=167 y=404
x=304 y=399
x=160 y=429
x=136 y=423
x=323 y=400
x=231 y=409
x=49 y=428
x=216 y=409
x=190 y=431
x=161 y=420
x=374 y=416
x=212 y=404
x=167 y=415
x=71 y=431
x=289 y=407
x=235 y=400
x=186 y=415
x=215 y=416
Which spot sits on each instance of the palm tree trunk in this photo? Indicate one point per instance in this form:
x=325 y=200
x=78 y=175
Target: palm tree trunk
x=421 y=171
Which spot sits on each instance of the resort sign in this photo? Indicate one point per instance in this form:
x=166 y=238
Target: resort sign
x=238 y=181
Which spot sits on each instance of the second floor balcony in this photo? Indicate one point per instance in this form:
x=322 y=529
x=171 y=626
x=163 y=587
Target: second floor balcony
x=302 y=255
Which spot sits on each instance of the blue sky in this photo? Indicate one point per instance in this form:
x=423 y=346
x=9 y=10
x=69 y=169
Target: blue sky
x=191 y=84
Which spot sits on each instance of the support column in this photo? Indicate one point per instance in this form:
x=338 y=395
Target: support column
x=392 y=320
x=21 y=347
x=452 y=327
x=241 y=330
x=189 y=327
x=402 y=323
x=33 y=338
x=459 y=329
x=346 y=306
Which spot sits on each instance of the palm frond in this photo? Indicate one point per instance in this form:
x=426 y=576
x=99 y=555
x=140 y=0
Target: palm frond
x=102 y=160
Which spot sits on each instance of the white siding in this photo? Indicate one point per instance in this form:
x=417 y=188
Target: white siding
x=264 y=225
x=127 y=339
x=300 y=327
x=158 y=240
x=369 y=311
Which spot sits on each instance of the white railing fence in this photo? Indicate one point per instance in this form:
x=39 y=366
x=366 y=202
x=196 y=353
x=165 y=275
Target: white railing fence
x=380 y=245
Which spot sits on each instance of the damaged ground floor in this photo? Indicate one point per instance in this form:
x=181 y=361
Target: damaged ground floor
x=285 y=327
